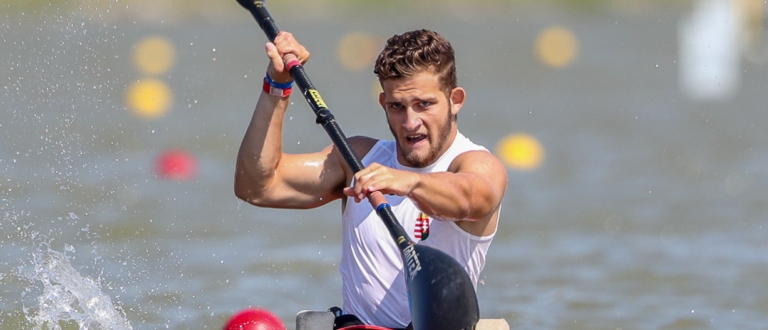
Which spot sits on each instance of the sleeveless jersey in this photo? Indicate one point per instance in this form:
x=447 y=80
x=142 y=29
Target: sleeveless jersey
x=373 y=282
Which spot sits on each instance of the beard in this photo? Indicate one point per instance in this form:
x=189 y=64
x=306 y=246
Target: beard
x=436 y=146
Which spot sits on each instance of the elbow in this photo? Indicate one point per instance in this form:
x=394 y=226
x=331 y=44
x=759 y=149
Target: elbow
x=249 y=190
x=244 y=193
x=250 y=195
x=476 y=208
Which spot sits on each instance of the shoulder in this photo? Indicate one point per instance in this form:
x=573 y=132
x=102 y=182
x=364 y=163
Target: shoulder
x=362 y=144
x=480 y=162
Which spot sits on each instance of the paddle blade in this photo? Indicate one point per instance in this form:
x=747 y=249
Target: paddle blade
x=441 y=292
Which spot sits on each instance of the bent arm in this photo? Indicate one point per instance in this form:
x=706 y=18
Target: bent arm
x=265 y=176
x=471 y=189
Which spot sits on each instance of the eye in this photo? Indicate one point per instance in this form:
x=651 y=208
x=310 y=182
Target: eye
x=425 y=104
x=395 y=106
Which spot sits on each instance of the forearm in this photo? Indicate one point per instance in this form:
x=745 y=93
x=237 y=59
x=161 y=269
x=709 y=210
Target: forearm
x=457 y=196
x=261 y=148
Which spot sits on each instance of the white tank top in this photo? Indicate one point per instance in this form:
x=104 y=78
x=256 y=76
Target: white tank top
x=373 y=283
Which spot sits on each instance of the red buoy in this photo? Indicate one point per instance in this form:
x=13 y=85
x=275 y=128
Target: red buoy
x=176 y=164
x=254 y=319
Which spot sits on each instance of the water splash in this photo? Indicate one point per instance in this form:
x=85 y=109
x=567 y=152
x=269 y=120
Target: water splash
x=68 y=296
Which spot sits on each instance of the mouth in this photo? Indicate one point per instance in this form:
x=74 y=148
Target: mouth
x=415 y=138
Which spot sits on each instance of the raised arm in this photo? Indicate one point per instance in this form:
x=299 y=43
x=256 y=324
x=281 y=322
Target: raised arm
x=264 y=175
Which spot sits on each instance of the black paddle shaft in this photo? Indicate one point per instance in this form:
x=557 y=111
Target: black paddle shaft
x=441 y=294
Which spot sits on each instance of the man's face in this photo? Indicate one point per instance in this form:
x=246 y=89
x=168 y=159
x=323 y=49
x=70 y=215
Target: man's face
x=420 y=116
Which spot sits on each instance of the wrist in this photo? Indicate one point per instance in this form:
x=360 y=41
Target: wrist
x=279 y=77
x=277 y=88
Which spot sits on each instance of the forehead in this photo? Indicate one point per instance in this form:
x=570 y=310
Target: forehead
x=422 y=83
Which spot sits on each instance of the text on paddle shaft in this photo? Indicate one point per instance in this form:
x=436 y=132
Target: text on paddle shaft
x=316 y=97
x=411 y=261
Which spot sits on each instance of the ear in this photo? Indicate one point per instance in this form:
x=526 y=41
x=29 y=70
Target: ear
x=382 y=99
x=458 y=95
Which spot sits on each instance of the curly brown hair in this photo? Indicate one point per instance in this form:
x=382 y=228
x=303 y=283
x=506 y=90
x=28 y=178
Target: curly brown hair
x=413 y=52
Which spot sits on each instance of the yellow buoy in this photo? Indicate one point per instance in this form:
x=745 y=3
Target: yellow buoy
x=521 y=151
x=149 y=98
x=556 y=47
x=154 y=55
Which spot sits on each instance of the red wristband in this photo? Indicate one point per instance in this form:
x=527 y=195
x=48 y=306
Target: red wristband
x=276 y=91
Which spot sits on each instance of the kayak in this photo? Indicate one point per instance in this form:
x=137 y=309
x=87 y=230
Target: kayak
x=323 y=320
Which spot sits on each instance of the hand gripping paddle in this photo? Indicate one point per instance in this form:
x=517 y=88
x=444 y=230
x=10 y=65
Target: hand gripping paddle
x=441 y=294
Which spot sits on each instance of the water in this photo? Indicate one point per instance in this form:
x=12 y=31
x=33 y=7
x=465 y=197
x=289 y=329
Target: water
x=649 y=211
x=69 y=297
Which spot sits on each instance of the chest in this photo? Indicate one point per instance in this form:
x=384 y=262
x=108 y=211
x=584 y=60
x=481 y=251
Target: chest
x=364 y=221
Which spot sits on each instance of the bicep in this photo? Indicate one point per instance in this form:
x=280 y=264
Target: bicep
x=307 y=180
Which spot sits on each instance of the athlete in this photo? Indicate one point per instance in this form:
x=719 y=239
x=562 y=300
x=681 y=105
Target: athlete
x=445 y=190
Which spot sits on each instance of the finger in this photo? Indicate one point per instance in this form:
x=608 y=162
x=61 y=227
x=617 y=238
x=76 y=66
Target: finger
x=357 y=191
x=367 y=173
x=274 y=57
x=288 y=45
x=352 y=193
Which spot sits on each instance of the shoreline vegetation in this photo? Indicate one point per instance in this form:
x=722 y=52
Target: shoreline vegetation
x=185 y=10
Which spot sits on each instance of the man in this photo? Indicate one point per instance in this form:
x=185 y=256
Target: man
x=445 y=190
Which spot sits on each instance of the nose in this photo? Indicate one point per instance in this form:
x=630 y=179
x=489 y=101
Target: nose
x=412 y=120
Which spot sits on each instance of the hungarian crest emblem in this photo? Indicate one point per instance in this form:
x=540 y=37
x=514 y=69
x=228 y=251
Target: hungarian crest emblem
x=421 y=231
